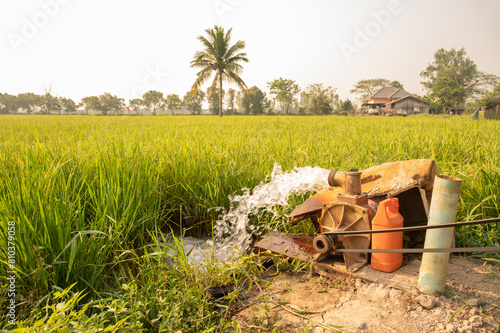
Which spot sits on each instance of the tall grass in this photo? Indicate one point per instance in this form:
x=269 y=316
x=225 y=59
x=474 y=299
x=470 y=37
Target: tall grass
x=86 y=193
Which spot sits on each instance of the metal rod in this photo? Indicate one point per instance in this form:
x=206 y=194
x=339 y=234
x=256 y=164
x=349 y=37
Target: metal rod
x=425 y=227
x=456 y=249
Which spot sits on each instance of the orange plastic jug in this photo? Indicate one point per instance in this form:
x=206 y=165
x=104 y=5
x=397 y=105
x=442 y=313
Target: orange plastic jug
x=387 y=217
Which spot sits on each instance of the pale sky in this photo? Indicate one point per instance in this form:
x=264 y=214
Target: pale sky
x=89 y=47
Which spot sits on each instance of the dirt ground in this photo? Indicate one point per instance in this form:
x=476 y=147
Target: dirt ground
x=372 y=301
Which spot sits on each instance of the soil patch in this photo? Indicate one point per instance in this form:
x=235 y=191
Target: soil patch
x=372 y=301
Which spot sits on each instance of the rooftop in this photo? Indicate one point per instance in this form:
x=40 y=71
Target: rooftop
x=390 y=92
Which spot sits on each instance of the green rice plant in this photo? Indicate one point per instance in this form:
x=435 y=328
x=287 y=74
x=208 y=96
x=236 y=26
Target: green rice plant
x=65 y=315
x=73 y=213
x=86 y=193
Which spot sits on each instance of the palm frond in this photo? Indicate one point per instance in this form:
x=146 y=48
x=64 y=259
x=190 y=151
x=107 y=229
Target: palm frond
x=235 y=68
x=209 y=47
x=240 y=45
x=202 y=76
x=238 y=57
x=233 y=77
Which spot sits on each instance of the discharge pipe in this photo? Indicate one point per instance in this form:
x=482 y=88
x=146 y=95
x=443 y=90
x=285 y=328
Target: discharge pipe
x=349 y=181
x=443 y=209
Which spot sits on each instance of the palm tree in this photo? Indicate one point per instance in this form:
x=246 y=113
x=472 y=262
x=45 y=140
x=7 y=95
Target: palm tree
x=219 y=57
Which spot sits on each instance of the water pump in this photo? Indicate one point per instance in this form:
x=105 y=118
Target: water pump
x=350 y=212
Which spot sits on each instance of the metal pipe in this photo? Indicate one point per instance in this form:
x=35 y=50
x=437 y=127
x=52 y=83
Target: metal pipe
x=350 y=181
x=444 y=204
x=353 y=182
x=336 y=178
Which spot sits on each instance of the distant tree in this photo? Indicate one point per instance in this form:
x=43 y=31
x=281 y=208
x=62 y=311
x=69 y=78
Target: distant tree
x=396 y=84
x=136 y=104
x=305 y=100
x=67 y=104
x=269 y=105
x=173 y=103
x=454 y=76
x=435 y=104
x=366 y=88
x=336 y=103
x=193 y=101
x=153 y=100
x=447 y=90
x=8 y=103
x=230 y=99
x=491 y=98
x=49 y=103
x=257 y=99
x=29 y=101
x=108 y=102
x=243 y=102
x=319 y=98
x=252 y=101
x=221 y=57
x=91 y=103
x=213 y=98
x=283 y=91
x=347 y=106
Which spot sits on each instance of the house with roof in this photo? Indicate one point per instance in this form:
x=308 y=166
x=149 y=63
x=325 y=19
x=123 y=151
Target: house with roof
x=394 y=101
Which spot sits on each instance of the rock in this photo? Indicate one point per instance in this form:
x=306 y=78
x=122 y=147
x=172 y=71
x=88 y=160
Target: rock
x=358 y=283
x=473 y=312
x=450 y=328
x=426 y=301
x=381 y=292
x=463 y=328
x=438 y=312
x=476 y=321
x=441 y=326
x=474 y=302
x=394 y=293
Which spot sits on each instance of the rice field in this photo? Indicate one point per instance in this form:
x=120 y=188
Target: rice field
x=88 y=193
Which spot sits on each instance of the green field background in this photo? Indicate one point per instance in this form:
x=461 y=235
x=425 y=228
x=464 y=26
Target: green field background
x=86 y=190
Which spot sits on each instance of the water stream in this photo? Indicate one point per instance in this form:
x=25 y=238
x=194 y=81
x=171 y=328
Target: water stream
x=233 y=232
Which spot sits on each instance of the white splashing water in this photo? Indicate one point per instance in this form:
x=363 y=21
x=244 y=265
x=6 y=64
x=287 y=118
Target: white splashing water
x=232 y=231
